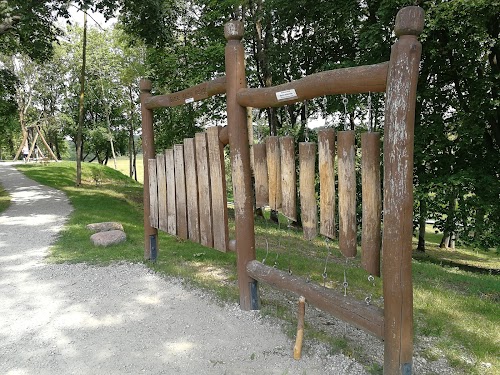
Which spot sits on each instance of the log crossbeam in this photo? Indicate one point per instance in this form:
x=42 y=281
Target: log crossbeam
x=192 y=94
x=355 y=80
x=369 y=318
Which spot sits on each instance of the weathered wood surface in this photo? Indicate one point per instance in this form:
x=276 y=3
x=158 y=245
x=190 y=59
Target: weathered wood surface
x=202 y=91
x=162 y=192
x=326 y=151
x=355 y=80
x=260 y=175
x=204 y=190
x=171 y=195
x=308 y=207
x=347 y=193
x=148 y=152
x=369 y=318
x=180 y=192
x=288 y=178
x=193 y=215
x=274 y=171
x=218 y=187
x=371 y=236
x=240 y=164
x=153 y=194
x=398 y=191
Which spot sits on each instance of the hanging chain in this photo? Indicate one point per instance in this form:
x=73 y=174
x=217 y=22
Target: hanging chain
x=306 y=130
x=345 y=284
x=368 y=299
x=275 y=265
x=267 y=252
x=325 y=275
x=346 y=120
x=288 y=254
x=369 y=101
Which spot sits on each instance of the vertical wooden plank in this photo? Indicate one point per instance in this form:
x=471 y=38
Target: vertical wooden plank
x=398 y=191
x=371 y=238
x=288 y=178
x=274 y=171
x=153 y=194
x=180 y=192
x=204 y=190
x=347 y=193
x=193 y=216
x=171 y=195
x=326 y=151
x=162 y=192
x=260 y=174
x=218 y=187
x=308 y=207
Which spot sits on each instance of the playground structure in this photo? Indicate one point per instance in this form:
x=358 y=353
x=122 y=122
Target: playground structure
x=34 y=149
x=184 y=191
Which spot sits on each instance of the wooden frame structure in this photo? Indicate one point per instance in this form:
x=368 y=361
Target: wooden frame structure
x=398 y=79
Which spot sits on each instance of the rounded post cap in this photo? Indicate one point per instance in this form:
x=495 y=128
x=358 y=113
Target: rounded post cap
x=409 y=21
x=233 y=30
x=145 y=85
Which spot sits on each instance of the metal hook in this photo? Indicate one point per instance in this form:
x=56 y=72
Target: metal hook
x=345 y=101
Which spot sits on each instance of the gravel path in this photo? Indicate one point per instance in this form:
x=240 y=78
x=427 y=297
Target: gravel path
x=120 y=319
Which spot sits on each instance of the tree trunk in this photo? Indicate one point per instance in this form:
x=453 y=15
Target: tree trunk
x=479 y=224
x=131 y=134
x=81 y=109
x=421 y=225
x=450 y=223
x=451 y=244
x=445 y=240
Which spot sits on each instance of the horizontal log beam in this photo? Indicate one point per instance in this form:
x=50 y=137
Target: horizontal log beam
x=193 y=94
x=368 y=78
x=369 y=318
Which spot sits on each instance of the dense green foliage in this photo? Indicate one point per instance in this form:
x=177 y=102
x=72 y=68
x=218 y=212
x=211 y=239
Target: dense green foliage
x=179 y=43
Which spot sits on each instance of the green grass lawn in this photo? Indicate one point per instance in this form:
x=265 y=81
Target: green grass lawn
x=123 y=165
x=457 y=310
x=461 y=255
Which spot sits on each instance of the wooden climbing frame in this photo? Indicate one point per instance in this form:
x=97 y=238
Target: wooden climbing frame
x=398 y=79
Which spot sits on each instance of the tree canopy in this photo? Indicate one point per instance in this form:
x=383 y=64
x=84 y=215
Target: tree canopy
x=179 y=43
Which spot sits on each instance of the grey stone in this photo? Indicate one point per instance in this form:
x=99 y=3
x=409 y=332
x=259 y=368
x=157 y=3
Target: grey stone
x=105 y=226
x=108 y=238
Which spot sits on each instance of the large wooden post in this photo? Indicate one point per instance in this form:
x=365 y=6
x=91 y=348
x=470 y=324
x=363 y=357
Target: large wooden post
x=240 y=161
x=148 y=150
x=398 y=191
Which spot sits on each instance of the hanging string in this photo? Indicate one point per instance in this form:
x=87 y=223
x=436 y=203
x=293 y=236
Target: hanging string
x=346 y=120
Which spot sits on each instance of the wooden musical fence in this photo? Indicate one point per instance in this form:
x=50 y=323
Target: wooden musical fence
x=187 y=189
x=184 y=190
x=371 y=189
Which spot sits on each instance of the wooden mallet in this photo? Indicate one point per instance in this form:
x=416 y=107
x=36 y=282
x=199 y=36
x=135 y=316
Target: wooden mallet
x=297 y=349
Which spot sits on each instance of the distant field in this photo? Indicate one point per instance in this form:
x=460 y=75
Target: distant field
x=122 y=165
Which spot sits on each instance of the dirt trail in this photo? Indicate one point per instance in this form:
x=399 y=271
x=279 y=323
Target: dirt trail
x=120 y=319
